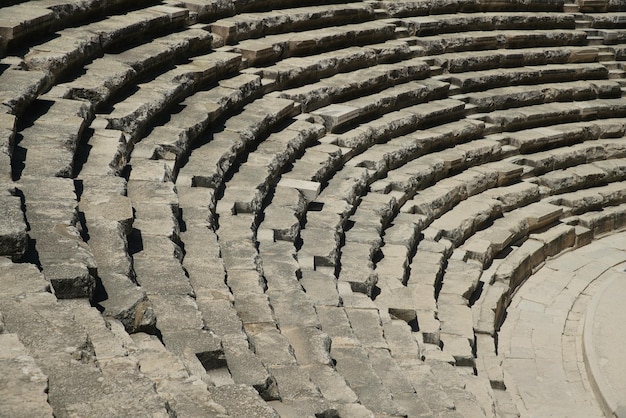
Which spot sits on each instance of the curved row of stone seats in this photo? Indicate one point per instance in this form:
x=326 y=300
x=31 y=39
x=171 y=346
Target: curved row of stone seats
x=161 y=153
x=272 y=48
x=22 y=21
x=519 y=96
x=135 y=113
x=298 y=71
x=107 y=76
x=71 y=48
x=549 y=113
x=588 y=199
x=459 y=62
x=462 y=22
x=210 y=162
x=209 y=10
x=592 y=174
x=247 y=189
x=510 y=39
x=337 y=116
x=406 y=8
x=531 y=142
x=360 y=82
x=256 y=25
x=550 y=73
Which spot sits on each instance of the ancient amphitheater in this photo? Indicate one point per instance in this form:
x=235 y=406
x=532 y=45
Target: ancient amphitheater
x=283 y=208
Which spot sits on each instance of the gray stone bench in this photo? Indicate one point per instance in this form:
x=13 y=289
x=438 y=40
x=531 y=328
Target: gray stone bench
x=73 y=47
x=608 y=219
x=519 y=96
x=255 y=25
x=554 y=113
x=452 y=143
x=18 y=88
x=108 y=75
x=583 y=175
x=160 y=154
x=482 y=40
x=247 y=189
x=550 y=73
x=531 y=142
x=388 y=100
x=209 y=162
x=561 y=158
x=297 y=71
x=23 y=21
x=399 y=123
x=607 y=20
x=460 y=62
x=53 y=139
x=134 y=113
x=423 y=7
x=591 y=198
x=435 y=201
x=342 y=86
x=274 y=47
x=462 y=22
x=485 y=245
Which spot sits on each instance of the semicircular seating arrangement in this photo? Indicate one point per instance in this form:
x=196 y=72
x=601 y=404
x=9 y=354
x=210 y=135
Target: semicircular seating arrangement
x=380 y=208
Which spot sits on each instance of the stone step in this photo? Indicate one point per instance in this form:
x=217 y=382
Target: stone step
x=68 y=263
x=419 y=9
x=341 y=86
x=297 y=71
x=22 y=21
x=134 y=114
x=106 y=76
x=503 y=97
x=20 y=88
x=399 y=123
x=62 y=125
x=25 y=377
x=73 y=47
x=478 y=80
x=546 y=161
x=209 y=163
x=388 y=100
x=463 y=22
x=583 y=175
x=527 y=117
x=255 y=25
x=610 y=218
x=587 y=199
x=477 y=40
x=459 y=62
x=272 y=47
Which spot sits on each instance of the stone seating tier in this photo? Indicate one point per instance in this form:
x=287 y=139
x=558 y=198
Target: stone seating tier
x=305 y=209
